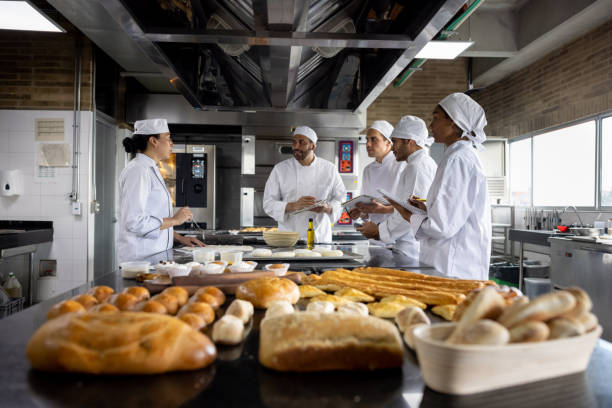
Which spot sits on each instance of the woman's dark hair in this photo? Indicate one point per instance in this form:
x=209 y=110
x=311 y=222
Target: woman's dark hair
x=137 y=144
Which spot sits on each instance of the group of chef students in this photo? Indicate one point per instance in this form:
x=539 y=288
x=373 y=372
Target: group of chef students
x=452 y=233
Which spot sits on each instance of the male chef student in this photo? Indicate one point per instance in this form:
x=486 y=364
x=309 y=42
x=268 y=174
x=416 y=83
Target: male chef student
x=384 y=172
x=410 y=138
x=299 y=182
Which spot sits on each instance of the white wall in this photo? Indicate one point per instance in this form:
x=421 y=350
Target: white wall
x=47 y=199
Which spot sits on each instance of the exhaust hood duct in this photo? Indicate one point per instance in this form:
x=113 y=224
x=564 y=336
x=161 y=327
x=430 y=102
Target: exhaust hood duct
x=217 y=23
x=345 y=26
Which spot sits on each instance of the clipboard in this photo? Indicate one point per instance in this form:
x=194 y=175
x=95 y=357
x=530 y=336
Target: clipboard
x=403 y=203
x=365 y=199
x=315 y=205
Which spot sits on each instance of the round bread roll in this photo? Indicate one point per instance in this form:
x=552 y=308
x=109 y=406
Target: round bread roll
x=88 y=301
x=241 y=309
x=563 y=327
x=261 y=292
x=279 y=307
x=483 y=332
x=354 y=308
x=206 y=298
x=123 y=301
x=228 y=330
x=216 y=293
x=138 y=291
x=529 y=332
x=409 y=316
x=67 y=306
x=194 y=320
x=153 y=306
x=179 y=293
x=101 y=292
x=105 y=308
x=202 y=309
x=170 y=302
x=320 y=306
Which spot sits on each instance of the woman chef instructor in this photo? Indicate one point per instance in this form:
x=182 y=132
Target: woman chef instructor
x=455 y=231
x=145 y=207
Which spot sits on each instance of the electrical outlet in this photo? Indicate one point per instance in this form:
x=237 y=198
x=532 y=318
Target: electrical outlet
x=76 y=208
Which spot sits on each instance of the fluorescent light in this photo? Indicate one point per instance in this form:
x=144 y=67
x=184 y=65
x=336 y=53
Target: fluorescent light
x=21 y=15
x=443 y=49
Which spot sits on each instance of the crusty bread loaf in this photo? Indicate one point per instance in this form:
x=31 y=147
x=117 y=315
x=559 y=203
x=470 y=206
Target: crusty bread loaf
x=511 y=310
x=322 y=306
x=310 y=341
x=263 y=291
x=67 y=306
x=119 y=343
x=101 y=292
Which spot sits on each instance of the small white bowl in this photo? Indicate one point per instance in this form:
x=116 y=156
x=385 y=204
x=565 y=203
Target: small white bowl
x=129 y=270
x=241 y=267
x=178 y=270
x=231 y=257
x=211 y=269
x=278 y=271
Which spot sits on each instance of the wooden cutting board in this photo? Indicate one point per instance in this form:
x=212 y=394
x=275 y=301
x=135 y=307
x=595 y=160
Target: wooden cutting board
x=227 y=282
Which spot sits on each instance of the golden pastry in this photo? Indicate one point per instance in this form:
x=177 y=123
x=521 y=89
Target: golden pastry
x=354 y=295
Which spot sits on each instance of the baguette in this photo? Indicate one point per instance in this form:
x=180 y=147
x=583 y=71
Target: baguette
x=529 y=332
x=310 y=341
x=119 y=343
x=563 y=327
x=543 y=308
x=583 y=302
x=488 y=304
x=483 y=332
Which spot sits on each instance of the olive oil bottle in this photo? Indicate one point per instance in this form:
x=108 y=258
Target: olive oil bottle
x=310 y=235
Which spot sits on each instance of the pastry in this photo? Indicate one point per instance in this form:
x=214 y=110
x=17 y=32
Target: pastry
x=119 y=343
x=170 y=302
x=151 y=306
x=444 y=311
x=410 y=316
x=104 y=307
x=386 y=309
x=403 y=300
x=67 y=306
x=179 y=293
x=279 y=307
x=335 y=300
x=138 y=291
x=354 y=295
x=201 y=309
x=194 y=320
x=482 y=332
x=88 y=301
x=263 y=291
x=228 y=330
x=308 y=291
x=310 y=341
x=241 y=309
x=354 y=308
x=101 y=292
x=123 y=301
x=320 y=306
x=529 y=332
x=216 y=299
x=542 y=308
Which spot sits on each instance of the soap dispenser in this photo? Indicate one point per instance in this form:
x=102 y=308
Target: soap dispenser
x=11 y=182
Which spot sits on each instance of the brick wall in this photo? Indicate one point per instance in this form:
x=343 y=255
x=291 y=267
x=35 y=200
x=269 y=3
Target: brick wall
x=37 y=70
x=420 y=94
x=569 y=83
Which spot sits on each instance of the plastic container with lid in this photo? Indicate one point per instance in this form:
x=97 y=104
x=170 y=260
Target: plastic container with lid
x=204 y=255
x=12 y=286
x=129 y=270
x=231 y=257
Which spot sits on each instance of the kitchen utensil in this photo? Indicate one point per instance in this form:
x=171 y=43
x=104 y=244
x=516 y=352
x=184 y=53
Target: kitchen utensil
x=586 y=232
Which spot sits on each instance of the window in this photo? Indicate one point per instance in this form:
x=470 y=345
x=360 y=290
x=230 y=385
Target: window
x=564 y=166
x=606 y=161
x=520 y=172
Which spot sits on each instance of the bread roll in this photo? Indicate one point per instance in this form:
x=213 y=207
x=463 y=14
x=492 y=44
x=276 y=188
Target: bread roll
x=483 y=332
x=200 y=308
x=583 y=302
x=88 y=301
x=511 y=310
x=403 y=300
x=123 y=301
x=409 y=334
x=153 y=306
x=101 y=292
x=194 y=320
x=263 y=291
x=241 y=309
x=105 y=308
x=320 y=306
x=354 y=295
x=529 y=332
x=588 y=320
x=119 y=343
x=138 y=291
x=67 y=306
x=488 y=304
x=309 y=341
x=211 y=295
x=542 y=308
x=409 y=316
x=278 y=307
x=355 y=308
x=563 y=327
x=308 y=291
x=228 y=330
x=179 y=293
x=170 y=302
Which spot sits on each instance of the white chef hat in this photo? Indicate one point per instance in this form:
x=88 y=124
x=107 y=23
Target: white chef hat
x=411 y=127
x=306 y=131
x=151 y=127
x=384 y=127
x=468 y=115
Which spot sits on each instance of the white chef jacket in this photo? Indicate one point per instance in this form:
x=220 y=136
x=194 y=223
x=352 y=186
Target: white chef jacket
x=455 y=235
x=385 y=175
x=416 y=180
x=289 y=181
x=143 y=203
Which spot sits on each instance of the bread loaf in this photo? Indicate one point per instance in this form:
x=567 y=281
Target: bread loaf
x=228 y=330
x=529 y=332
x=241 y=309
x=263 y=291
x=511 y=310
x=170 y=302
x=201 y=309
x=215 y=297
x=583 y=302
x=278 y=307
x=563 y=327
x=353 y=308
x=194 y=320
x=588 y=320
x=488 y=304
x=310 y=341
x=483 y=332
x=321 y=306
x=542 y=308
x=119 y=343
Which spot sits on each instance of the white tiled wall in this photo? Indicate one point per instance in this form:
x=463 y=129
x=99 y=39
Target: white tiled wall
x=48 y=200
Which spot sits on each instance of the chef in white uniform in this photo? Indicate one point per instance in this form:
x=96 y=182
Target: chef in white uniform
x=410 y=142
x=455 y=234
x=299 y=182
x=145 y=207
x=384 y=172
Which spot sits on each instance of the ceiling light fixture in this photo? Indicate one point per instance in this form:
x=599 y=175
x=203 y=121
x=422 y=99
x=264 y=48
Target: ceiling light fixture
x=443 y=49
x=21 y=15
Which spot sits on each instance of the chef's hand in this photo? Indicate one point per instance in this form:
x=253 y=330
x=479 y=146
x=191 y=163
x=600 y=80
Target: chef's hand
x=375 y=207
x=325 y=208
x=182 y=216
x=401 y=210
x=369 y=230
x=303 y=202
x=415 y=201
x=189 y=241
x=355 y=213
